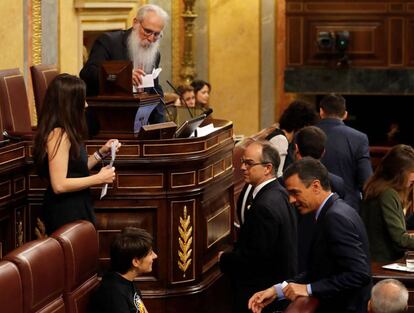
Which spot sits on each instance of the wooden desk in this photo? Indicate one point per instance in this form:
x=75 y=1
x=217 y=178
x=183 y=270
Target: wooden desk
x=379 y=273
x=14 y=223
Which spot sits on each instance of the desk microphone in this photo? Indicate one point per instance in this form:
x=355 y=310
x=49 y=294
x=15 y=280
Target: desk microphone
x=164 y=105
x=11 y=137
x=208 y=111
x=181 y=98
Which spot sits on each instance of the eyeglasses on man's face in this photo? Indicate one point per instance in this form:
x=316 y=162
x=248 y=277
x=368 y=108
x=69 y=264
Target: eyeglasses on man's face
x=148 y=32
x=250 y=163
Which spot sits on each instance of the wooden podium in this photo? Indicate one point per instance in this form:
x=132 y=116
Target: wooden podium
x=115 y=115
x=181 y=191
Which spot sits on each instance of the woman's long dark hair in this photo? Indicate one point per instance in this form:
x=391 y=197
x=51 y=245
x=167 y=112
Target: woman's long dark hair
x=63 y=106
x=392 y=172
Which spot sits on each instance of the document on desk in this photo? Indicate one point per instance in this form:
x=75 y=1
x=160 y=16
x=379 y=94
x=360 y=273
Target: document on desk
x=205 y=130
x=398 y=267
x=111 y=163
x=148 y=79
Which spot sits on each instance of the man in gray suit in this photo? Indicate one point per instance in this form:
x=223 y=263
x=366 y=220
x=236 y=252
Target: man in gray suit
x=346 y=149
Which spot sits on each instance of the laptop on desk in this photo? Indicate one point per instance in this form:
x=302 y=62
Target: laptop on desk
x=189 y=126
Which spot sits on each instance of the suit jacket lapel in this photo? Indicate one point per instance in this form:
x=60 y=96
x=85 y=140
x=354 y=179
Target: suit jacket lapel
x=273 y=184
x=326 y=207
x=321 y=216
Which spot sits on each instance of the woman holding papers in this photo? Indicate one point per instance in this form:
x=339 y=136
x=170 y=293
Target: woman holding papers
x=386 y=195
x=61 y=157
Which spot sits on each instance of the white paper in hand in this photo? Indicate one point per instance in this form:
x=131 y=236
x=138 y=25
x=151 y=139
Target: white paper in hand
x=111 y=163
x=148 y=79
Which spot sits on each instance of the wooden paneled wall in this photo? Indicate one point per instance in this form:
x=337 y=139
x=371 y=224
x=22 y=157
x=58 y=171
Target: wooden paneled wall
x=381 y=32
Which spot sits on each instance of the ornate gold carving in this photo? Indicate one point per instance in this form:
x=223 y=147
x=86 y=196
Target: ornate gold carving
x=36 y=32
x=19 y=229
x=175 y=34
x=185 y=241
x=40 y=229
x=188 y=73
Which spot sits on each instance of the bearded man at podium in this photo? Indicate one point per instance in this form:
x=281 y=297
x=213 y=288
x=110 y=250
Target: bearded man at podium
x=138 y=44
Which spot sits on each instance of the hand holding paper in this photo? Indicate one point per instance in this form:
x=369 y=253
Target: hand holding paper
x=111 y=163
x=147 y=80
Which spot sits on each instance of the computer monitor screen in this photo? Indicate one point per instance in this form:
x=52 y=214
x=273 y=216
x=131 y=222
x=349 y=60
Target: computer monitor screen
x=189 y=126
x=115 y=78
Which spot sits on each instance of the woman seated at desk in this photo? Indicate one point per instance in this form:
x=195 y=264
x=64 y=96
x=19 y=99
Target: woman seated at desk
x=386 y=196
x=185 y=107
x=202 y=91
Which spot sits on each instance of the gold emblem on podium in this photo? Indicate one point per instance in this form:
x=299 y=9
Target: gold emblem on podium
x=185 y=241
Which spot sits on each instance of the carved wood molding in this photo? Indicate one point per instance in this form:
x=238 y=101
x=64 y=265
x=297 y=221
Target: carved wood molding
x=36 y=32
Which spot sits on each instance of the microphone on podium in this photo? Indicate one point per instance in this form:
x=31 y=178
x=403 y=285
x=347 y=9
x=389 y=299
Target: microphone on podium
x=163 y=104
x=208 y=111
x=181 y=98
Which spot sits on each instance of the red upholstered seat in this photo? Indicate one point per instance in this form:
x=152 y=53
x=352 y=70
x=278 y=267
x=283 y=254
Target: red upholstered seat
x=11 y=291
x=15 y=113
x=42 y=75
x=79 y=242
x=41 y=268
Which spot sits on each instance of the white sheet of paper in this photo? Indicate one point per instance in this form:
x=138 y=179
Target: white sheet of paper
x=111 y=163
x=205 y=130
x=398 y=267
x=148 y=79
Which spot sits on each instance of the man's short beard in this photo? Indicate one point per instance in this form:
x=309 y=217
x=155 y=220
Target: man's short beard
x=142 y=57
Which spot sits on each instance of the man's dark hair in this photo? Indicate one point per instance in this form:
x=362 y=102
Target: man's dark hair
x=131 y=243
x=311 y=142
x=333 y=105
x=182 y=89
x=297 y=115
x=308 y=169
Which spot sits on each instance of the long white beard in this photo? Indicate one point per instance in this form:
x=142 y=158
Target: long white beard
x=142 y=57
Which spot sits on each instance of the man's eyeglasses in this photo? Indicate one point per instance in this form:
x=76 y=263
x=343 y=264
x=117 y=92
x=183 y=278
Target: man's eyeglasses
x=250 y=163
x=149 y=32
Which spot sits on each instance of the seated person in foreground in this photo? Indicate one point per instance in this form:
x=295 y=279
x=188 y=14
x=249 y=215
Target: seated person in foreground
x=131 y=256
x=388 y=296
x=138 y=44
x=385 y=197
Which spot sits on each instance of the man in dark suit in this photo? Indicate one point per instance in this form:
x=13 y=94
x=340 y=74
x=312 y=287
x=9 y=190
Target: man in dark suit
x=138 y=44
x=347 y=150
x=338 y=268
x=266 y=247
x=310 y=141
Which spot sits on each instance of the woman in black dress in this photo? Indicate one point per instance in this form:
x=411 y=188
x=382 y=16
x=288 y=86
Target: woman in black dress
x=61 y=157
